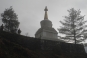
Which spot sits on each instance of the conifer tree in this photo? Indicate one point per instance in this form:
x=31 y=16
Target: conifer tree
x=73 y=26
x=9 y=18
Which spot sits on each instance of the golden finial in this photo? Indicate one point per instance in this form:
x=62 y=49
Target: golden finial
x=46 y=9
x=45 y=16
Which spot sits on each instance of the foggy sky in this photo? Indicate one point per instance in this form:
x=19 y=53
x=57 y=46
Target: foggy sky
x=31 y=12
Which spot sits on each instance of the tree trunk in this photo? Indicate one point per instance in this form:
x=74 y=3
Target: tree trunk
x=75 y=36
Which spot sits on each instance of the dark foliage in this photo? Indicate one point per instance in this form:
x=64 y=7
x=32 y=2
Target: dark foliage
x=9 y=18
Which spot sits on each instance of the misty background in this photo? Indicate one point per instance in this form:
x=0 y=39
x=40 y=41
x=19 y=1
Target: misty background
x=31 y=12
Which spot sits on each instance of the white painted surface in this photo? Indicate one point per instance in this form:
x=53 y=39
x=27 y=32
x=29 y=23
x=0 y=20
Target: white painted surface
x=86 y=49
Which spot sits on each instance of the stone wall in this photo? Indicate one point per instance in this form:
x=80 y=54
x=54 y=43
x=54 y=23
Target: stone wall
x=63 y=47
x=40 y=44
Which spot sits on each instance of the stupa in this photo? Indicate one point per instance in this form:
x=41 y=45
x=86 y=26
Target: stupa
x=46 y=31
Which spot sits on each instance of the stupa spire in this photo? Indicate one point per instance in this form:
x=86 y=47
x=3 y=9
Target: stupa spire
x=45 y=16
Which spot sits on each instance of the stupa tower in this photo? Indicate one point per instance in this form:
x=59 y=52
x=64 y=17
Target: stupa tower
x=46 y=31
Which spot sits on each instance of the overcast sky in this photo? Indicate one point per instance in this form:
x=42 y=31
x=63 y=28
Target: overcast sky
x=31 y=12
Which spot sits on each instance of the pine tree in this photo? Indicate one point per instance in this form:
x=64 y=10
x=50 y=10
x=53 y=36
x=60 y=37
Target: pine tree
x=9 y=18
x=73 y=26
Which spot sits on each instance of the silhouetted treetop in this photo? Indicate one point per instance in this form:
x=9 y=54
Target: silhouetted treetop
x=73 y=26
x=10 y=20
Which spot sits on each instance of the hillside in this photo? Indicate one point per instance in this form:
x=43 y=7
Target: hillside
x=17 y=46
x=11 y=50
